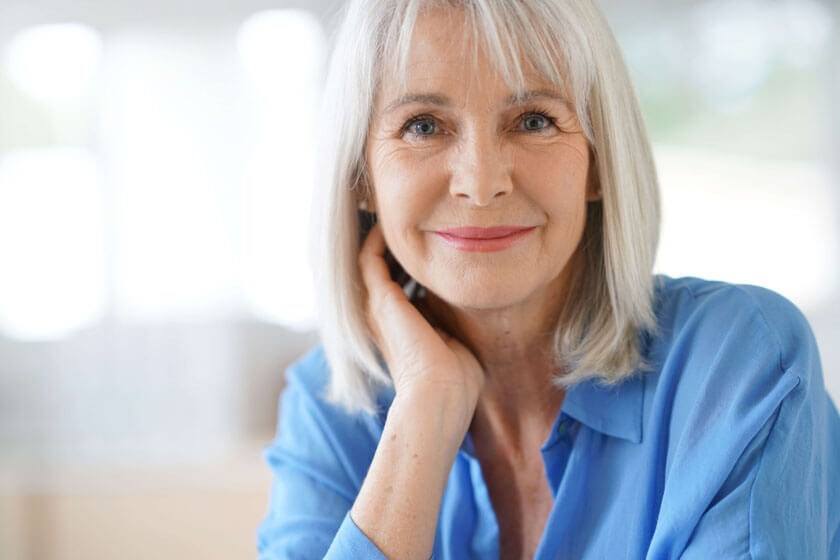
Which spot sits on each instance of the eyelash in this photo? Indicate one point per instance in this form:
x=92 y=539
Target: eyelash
x=424 y=116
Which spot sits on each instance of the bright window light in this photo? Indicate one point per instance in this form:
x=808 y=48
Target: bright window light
x=281 y=51
x=55 y=63
x=168 y=150
x=763 y=222
x=51 y=243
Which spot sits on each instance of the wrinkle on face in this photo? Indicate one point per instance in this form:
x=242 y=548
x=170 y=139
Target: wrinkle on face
x=503 y=306
x=527 y=177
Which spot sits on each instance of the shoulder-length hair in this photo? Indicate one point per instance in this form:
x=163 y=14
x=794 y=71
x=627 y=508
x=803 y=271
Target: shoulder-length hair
x=598 y=333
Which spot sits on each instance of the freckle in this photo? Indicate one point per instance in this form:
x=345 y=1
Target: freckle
x=414 y=455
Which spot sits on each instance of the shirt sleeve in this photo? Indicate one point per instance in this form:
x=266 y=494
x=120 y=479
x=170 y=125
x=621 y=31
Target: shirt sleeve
x=780 y=500
x=318 y=459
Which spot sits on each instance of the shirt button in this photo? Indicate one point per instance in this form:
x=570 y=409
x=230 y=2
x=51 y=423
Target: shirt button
x=564 y=429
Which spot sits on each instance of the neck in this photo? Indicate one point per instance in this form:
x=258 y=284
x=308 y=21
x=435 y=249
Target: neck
x=514 y=345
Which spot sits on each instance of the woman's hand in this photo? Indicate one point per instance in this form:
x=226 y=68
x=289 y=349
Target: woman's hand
x=420 y=357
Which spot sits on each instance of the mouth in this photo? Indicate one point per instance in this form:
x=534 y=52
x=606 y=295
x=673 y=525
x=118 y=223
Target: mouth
x=475 y=239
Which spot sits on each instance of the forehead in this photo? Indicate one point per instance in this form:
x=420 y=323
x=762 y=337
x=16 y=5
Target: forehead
x=445 y=49
x=441 y=35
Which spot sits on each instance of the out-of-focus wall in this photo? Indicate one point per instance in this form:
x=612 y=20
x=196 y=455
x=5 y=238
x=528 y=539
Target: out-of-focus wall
x=738 y=98
x=141 y=359
x=154 y=178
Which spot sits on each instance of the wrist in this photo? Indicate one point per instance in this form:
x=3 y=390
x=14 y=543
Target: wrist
x=448 y=413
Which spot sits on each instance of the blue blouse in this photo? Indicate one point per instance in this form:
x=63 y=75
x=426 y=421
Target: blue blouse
x=729 y=449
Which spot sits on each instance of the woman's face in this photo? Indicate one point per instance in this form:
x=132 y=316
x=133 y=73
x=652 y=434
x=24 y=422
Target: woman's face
x=461 y=155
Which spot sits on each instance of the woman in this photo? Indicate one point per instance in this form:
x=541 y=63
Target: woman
x=501 y=373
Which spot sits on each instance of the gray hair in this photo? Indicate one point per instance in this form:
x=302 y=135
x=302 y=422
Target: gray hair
x=598 y=332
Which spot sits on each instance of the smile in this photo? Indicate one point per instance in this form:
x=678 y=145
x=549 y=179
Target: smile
x=483 y=245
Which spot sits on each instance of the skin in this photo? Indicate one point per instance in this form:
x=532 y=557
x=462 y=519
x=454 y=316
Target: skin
x=476 y=163
x=482 y=162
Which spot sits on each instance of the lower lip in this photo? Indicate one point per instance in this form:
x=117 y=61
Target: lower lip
x=485 y=245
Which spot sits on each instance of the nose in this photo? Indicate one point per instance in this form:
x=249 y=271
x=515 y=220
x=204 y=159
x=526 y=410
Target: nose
x=481 y=170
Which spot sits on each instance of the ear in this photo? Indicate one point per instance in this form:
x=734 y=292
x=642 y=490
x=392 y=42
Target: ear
x=368 y=204
x=364 y=194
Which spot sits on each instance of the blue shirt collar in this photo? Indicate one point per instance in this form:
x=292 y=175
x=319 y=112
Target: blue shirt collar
x=616 y=411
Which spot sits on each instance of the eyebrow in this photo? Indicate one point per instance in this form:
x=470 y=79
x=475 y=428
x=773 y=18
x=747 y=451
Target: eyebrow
x=443 y=101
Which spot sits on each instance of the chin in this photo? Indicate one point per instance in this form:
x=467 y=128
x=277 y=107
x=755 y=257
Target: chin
x=461 y=292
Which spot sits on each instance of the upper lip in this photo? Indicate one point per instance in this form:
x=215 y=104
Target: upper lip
x=481 y=232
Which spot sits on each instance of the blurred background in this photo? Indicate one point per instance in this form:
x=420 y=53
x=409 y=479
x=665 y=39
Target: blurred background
x=155 y=172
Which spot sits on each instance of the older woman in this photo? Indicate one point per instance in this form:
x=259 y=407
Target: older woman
x=501 y=374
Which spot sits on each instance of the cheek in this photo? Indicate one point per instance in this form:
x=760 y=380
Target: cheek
x=408 y=193
x=559 y=188
x=400 y=213
x=566 y=225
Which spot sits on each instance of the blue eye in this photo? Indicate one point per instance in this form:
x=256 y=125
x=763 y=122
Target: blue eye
x=420 y=126
x=536 y=117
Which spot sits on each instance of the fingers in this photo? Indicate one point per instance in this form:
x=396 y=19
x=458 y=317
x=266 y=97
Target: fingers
x=377 y=280
x=372 y=260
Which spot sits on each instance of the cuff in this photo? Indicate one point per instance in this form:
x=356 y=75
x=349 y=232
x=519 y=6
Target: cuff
x=351 y=542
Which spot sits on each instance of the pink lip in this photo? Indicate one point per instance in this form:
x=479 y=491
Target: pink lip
x=484 y=239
